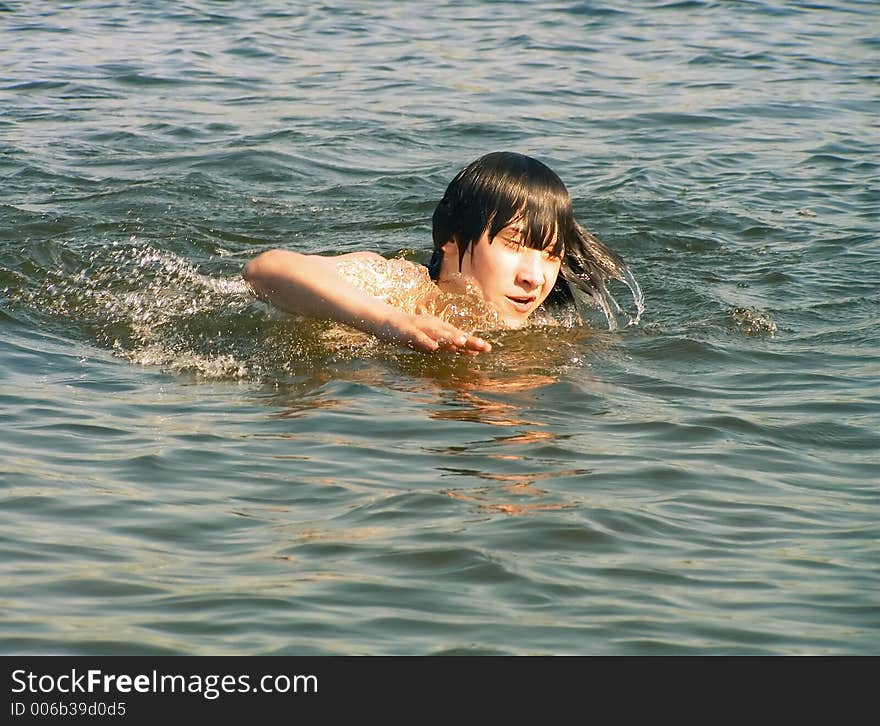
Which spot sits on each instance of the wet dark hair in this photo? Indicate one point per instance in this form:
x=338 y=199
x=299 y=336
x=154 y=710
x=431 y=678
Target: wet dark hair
x=503 y=187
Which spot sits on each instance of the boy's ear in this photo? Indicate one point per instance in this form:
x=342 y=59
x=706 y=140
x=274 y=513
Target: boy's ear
x=450 y=249
x=451 y=262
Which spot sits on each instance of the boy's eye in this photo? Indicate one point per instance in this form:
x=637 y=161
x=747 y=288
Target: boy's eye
x=517 y=243
x=513 y=242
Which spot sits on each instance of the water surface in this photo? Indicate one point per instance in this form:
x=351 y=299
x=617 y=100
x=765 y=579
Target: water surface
x=182 y=471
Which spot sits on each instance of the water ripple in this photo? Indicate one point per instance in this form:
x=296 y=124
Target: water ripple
x=186 y=471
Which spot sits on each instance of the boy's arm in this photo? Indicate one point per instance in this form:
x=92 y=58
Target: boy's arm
x=309 y=285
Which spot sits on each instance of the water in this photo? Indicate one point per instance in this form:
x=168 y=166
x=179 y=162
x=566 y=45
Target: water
x=185 y=472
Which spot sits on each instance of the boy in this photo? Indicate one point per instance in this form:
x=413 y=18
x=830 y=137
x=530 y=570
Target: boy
x=504 y=228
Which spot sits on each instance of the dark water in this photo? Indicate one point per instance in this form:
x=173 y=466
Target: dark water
x=183 y=471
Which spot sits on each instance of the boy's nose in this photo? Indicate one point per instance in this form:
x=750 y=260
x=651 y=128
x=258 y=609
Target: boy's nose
x=531 y=271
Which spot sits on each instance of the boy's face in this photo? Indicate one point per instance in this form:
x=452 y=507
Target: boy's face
x=515 y=279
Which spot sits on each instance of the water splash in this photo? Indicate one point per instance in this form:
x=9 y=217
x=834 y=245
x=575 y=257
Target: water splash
x=407 y=285
x=147 y=305
x=753 y=322
x=154 y=307
x=605 y=301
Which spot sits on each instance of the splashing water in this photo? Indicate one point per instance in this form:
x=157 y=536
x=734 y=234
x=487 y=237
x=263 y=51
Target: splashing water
x=407 y=285
x=753 y=322
x=149 y=306
x=607 y=303
x=153 y=307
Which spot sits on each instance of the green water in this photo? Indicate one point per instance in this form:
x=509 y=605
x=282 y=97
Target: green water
x=184 y=471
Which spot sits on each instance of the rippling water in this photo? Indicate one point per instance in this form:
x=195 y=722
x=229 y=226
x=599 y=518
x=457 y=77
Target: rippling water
x=185 y=471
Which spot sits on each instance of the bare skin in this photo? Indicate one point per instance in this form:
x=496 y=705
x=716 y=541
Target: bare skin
x=309 y=285
x=513 y=278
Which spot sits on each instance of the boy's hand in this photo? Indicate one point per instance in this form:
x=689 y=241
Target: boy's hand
x=429 y=333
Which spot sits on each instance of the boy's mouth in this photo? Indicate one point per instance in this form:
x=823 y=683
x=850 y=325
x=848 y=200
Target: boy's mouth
x=521 y=303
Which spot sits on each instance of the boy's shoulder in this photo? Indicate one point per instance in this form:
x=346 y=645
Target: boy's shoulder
x=361 y=256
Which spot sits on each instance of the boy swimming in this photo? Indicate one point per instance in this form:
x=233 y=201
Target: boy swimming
x=504 y=233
